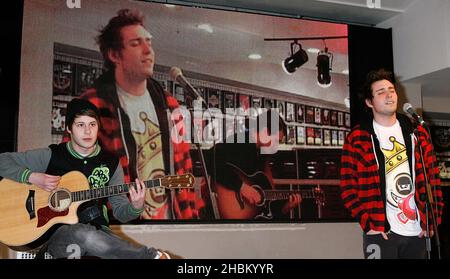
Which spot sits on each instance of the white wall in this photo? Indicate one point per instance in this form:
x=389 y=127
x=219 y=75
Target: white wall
x=421 y=37
x=409 y=93
x=246 y=241
x=35 y=100
x=421 y=46
x=253 y=241
x=436 y=104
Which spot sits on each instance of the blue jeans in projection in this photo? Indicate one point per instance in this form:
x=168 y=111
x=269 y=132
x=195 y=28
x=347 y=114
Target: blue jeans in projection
x=74 y=241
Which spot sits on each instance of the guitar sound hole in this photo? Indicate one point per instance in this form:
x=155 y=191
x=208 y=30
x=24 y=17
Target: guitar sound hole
x=60 y=200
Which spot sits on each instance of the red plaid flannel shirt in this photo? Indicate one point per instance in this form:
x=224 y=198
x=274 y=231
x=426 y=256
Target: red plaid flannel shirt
x=360 y=179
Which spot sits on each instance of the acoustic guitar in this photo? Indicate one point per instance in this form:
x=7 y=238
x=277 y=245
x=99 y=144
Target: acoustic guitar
x=27 y=211
x=232 y=206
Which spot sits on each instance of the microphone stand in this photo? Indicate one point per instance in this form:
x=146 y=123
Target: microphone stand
x=428 y=197
x=210 y=185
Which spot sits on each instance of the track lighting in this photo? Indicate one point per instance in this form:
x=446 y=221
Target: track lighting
x=296 y=59
x=324 y=64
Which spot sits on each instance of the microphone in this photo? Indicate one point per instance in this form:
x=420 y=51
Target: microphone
x=176 y=75
x=407 y=108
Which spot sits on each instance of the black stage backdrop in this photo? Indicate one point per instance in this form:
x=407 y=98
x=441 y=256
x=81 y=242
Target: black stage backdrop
x=11 y=21
x=368 y=49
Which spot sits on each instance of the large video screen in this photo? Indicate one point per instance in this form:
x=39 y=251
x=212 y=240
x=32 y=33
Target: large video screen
x=241 y=65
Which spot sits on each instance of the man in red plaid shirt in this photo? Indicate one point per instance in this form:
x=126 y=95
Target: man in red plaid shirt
x=138 y=117
x=382 y=180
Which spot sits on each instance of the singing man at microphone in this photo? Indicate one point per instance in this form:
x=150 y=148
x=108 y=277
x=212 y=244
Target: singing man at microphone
x=382 y=179
x=137 y=116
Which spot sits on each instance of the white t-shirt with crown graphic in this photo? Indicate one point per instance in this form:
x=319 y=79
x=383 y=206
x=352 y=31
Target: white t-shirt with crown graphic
x=401 y=209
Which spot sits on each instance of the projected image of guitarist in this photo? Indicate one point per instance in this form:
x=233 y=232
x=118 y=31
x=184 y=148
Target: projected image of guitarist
x=44 y=187
x=244 y=180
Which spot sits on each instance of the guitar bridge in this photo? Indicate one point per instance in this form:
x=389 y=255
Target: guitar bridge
x=29 y=205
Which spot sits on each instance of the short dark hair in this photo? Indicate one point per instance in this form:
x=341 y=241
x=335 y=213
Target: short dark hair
x=110 y=37
x=371 y=78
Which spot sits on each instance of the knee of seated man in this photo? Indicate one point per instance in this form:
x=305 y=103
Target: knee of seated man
x=89 y=238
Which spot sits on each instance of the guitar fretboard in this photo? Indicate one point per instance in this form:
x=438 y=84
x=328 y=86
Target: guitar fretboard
x=284 y=194
x=112 y=190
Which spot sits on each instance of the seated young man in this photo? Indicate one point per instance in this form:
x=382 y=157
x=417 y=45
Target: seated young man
x=44 y=168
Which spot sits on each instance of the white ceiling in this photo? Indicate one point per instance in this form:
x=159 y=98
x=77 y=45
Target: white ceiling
x=345 y=11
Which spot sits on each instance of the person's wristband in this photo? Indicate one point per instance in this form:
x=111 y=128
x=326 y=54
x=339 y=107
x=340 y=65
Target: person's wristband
x=24 y=178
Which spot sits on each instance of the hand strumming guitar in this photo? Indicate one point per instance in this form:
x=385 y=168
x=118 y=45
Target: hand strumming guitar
x=250 y=195
x=44 y=181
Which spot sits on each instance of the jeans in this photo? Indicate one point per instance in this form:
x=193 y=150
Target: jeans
x=75 y=241
x=396 y=247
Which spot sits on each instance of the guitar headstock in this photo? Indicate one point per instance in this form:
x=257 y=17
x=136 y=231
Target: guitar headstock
x=181 y=181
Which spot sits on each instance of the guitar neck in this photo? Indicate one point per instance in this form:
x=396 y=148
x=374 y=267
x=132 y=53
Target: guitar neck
x=284 y=194
x=112 y=190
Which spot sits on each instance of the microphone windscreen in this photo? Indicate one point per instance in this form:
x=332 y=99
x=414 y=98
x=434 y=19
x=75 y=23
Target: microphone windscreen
x=175 y=72
x=406 y=107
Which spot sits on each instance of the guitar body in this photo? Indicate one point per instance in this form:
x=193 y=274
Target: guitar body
x=26 y=211
x=230 y=204
x=230 y=207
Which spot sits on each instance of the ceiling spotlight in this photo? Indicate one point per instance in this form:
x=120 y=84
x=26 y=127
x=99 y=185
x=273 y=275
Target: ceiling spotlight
x=254 y=56
x=324 y=64
x=205 y=27
x=296 y=59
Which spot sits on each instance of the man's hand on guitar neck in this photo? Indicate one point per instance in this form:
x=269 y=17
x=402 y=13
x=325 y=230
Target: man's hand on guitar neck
x=137 y=196
x=44 y=181
x=294 y=201
x=250 y=195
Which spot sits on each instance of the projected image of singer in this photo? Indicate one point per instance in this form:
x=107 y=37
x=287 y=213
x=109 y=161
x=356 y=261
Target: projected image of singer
x=135 y=115
x=382 y=178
